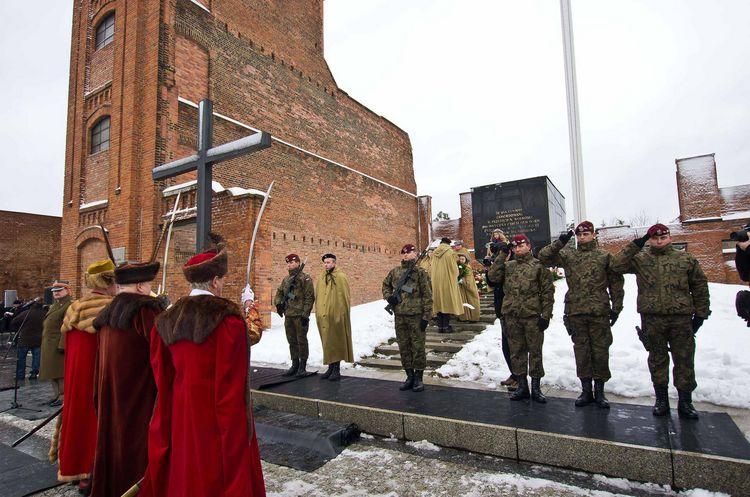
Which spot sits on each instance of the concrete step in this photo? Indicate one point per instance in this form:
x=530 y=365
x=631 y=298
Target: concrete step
x=433 y=362
x=451 y=337
x=461 y=326
x=488 y=319
x=435 y=346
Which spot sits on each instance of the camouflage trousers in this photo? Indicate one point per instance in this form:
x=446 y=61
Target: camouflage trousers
x=526 y=341
x=675 y=333
x=592 y=337
x=296 y=335
x=411 y=341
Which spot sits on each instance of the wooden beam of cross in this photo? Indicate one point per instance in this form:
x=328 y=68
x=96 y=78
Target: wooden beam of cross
x=202 y=161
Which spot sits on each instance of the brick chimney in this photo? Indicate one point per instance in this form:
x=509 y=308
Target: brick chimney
x=698 y=188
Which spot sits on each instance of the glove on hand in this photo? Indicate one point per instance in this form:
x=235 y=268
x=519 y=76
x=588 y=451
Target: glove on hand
x=280 y=311
x=487 y=261
x=392 y=300
x=423 y=325
x=613 y=317
x=503 y=247
x=305 y=321
x=642 y=240
x=697 y=323
x=565 y=237
x=543 y=324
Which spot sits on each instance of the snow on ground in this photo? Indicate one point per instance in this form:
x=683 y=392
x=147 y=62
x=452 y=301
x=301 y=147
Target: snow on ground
x=371 y=326
x=424 y=445
x=721 y=360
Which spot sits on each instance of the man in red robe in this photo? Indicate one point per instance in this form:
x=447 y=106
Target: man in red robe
x=124 y=386
x=77 y=428
x=202 y=436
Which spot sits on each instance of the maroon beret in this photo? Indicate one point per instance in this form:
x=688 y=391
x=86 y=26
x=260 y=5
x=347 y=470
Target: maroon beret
x=585 y=226
x=517 y=239
x=408 y=248
x=292 y=258
x=658 y=230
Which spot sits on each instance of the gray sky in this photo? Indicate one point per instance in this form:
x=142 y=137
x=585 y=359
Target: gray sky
x=479 y=87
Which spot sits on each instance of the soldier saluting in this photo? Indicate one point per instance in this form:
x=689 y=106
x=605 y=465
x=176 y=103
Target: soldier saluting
x=294 y=300
x=673 y=302
x=408 y=290
x=592 y=305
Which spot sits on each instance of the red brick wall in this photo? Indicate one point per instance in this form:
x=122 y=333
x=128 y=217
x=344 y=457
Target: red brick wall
x=95 y=177
x=466 y=226
x=425 y=221
x=100 y=67
x=698 y=188
x=29 y=252
x=191 y=69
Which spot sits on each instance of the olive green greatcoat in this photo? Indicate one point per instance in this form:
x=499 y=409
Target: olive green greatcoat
x=444 y=273
x=304 y=294
x=332 y=308
x=467 y=287
x=527 y=285
x=594 y=288
x=53 y=344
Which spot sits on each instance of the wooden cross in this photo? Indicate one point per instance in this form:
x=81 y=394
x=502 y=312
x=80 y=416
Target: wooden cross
x=202 y=161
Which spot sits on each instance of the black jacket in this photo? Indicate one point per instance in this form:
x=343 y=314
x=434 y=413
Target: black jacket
x=32 y=321
x=742 y=262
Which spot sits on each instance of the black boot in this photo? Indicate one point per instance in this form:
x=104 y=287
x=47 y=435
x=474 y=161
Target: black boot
x=536 y=391
x=586 y=396
x=302 y=370
x=409 y=380
x=661 y=406
x=418 y=385
x=336 y=373
x=441 y=322
x=293 y=370
x=685 y=407
x=599 y=398
x=522 y=392
x=328 y=372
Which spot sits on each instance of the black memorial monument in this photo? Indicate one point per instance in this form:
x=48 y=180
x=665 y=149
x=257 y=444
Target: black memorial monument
x=532 y=206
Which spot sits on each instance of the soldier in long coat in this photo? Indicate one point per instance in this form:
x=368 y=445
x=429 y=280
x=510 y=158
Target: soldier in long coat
x=77 y=435
x=446 y=299
x=294 y=301
x=412 y=309
x=592 y=305
x=467 y=287
x=332 y=314
x=124 y=388
x=527 y=309
x=673 y=301
x=53 y=345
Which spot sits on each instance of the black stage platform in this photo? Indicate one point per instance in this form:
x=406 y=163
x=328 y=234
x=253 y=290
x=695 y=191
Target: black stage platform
x=714 y=433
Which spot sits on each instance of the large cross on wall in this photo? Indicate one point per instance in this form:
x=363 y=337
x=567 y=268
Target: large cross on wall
x=203 y=160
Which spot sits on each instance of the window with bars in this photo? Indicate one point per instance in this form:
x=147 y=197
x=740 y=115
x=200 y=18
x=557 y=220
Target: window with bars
x=100 y=136
x=105 y=31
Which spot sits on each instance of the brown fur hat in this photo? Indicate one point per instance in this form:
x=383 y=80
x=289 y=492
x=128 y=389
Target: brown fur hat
x=213 y=262
x=136 y=272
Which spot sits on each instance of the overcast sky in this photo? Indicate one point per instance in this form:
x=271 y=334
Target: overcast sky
x=479 y=87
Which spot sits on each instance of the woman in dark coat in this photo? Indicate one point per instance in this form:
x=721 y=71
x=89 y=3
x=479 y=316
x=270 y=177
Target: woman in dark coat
x=28 y=325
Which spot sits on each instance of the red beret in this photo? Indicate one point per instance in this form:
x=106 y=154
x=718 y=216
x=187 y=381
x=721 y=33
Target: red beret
x=520 y=239
x=585 y=226
x=658 y=230
x=292 y=257
x=408 y=248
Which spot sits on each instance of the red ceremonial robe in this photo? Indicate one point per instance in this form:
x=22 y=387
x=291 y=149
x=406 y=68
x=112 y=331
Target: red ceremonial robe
x=125 y=392
x=202 y=438
x=78 y=421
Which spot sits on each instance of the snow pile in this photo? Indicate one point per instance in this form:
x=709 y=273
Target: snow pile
x=721 y=361
x=371 y=326
x=424 y=445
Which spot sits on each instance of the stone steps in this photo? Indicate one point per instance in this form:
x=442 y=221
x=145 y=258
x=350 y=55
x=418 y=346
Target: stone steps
x=453 y=337
x=392 y=349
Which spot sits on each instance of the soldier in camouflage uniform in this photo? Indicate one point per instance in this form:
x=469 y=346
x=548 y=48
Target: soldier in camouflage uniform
x=673 y=302
x=592 y=305
x=412 y=315
x=294 y=300
x=527 y=309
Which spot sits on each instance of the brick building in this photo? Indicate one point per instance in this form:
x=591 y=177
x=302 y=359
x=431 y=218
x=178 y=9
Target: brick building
x=344 y=176
x=708 y=214
x=29 y=252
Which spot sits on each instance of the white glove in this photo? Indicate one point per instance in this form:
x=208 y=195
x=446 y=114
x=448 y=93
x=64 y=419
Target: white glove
x=247 y=294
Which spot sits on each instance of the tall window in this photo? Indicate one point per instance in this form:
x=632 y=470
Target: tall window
x=105 y=31
x=100 y=136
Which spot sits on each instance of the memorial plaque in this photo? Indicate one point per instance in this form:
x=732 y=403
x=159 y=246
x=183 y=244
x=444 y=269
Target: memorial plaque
x=533 y=206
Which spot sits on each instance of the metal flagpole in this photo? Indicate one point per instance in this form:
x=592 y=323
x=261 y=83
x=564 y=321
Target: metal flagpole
x=574 y=127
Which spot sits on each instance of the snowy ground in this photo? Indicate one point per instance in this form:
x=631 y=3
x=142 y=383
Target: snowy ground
x=722 y=362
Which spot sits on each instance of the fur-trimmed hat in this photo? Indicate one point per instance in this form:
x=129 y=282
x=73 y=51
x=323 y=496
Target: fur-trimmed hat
x=658 y=230
x=100 y=275
x=130 y=273
x=518 y=239
x=585 y=226
x=206 y=265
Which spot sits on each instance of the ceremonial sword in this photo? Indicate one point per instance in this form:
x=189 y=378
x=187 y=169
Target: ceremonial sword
x=255 y=233
x=163 y=285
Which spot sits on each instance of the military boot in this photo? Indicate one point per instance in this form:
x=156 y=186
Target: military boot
x=409 y=380
x=522 y=392
x=293 y=370
x=586 y=396
x=661 y=406
x=685 y=407
x=336 y=372
x=536 y=391
x=328 y=372
x=418 y=385
x=599 y=398
x=302 y=370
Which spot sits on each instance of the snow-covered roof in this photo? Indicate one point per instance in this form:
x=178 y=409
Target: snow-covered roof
x=217 y=187
x=93 y=205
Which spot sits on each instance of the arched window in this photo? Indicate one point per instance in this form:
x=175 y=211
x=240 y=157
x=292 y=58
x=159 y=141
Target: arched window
x=100 y=136
x=105 y=31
